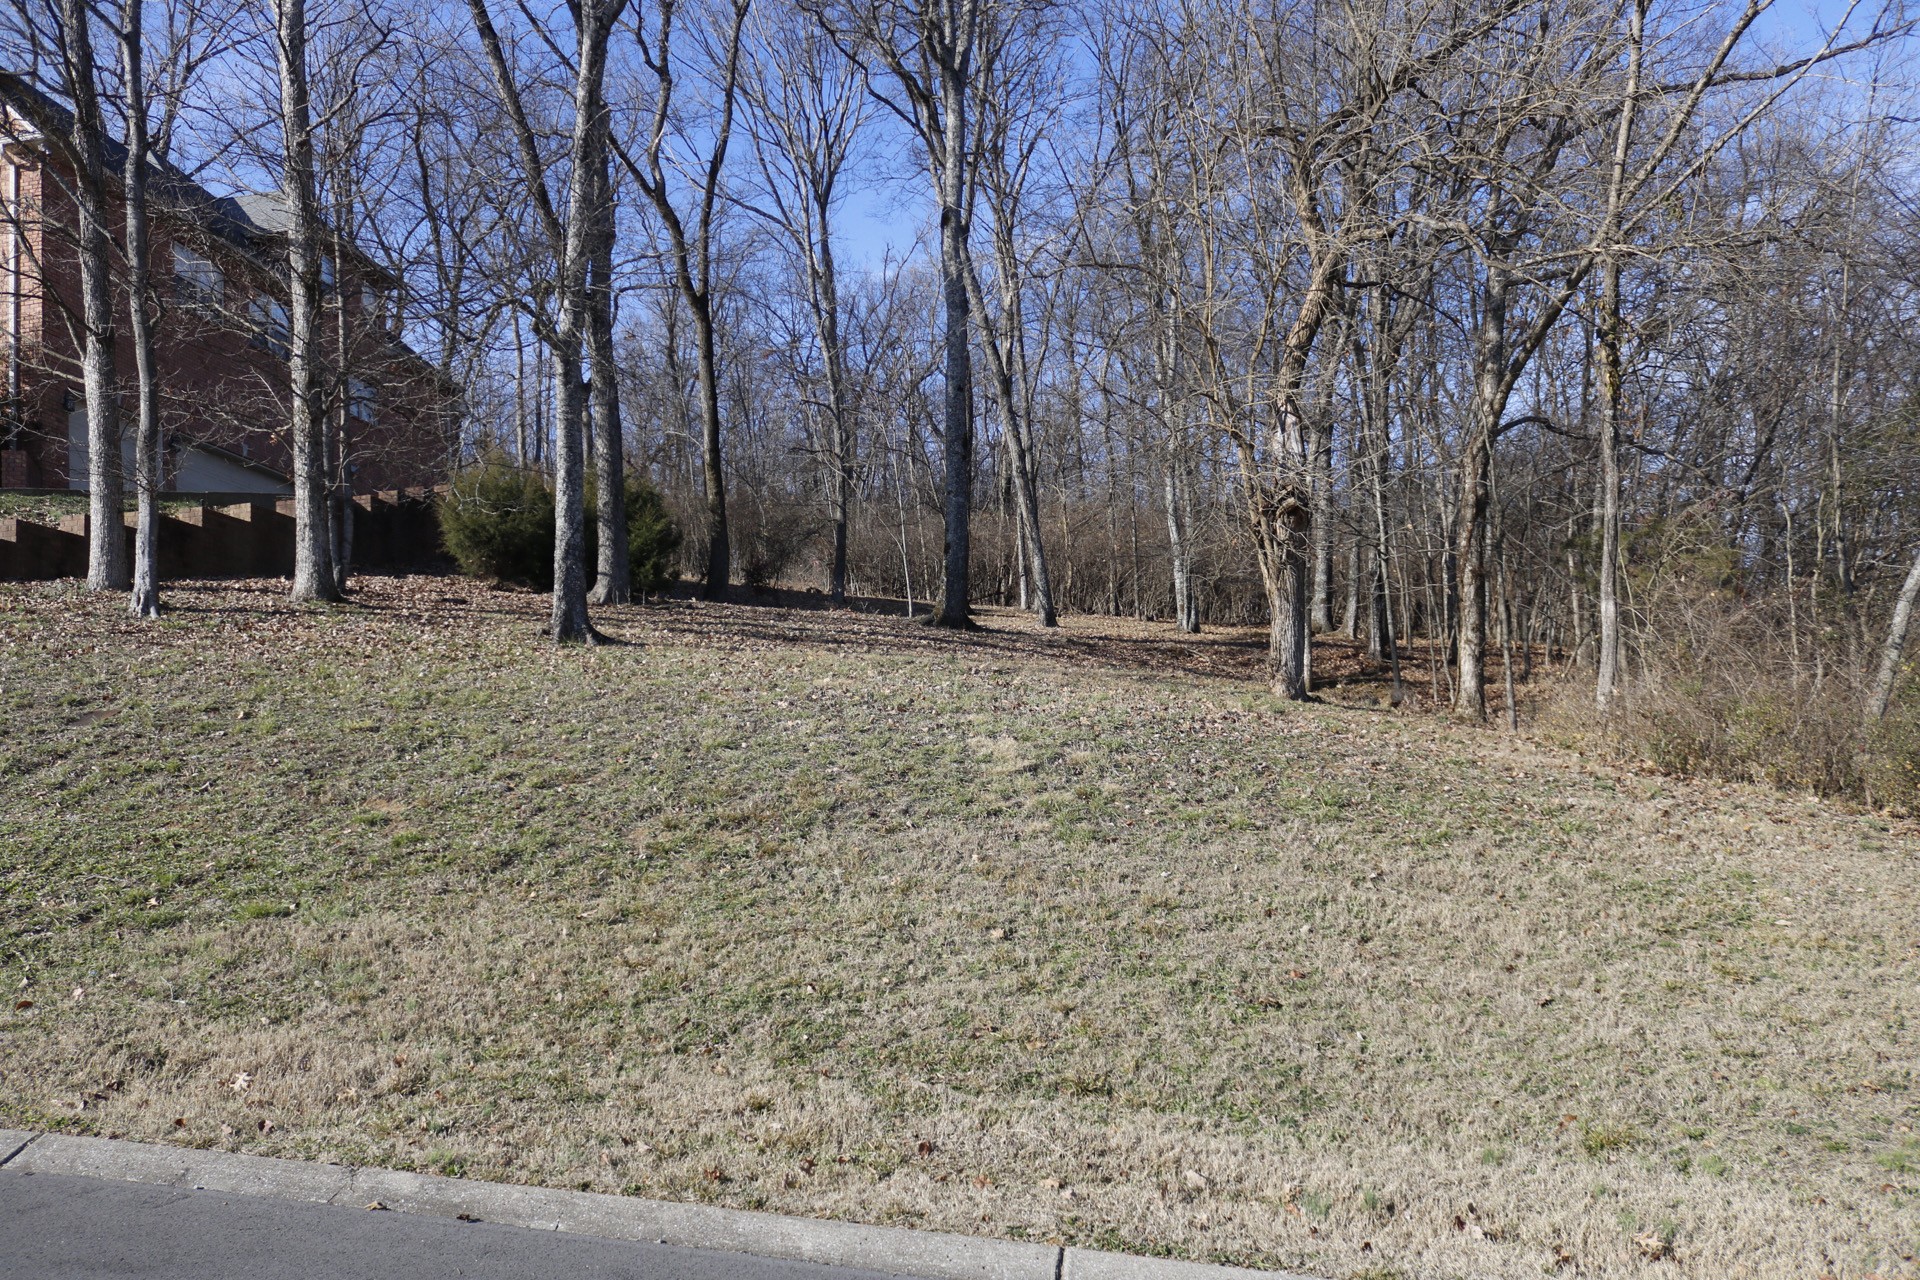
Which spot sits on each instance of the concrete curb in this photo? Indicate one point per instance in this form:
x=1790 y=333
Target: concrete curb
x=11 y=1140
x=929 y=1254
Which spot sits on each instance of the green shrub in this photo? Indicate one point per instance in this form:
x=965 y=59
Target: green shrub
x=653 y=538
x=497 y=522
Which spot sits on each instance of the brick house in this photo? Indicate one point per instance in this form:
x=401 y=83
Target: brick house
x=220 y=336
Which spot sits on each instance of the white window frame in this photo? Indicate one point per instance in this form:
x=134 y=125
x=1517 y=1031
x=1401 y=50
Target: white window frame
x=361 y=403
x=273 y=326
x=198 y=278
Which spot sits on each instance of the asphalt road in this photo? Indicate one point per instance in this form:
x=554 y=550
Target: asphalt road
x=54 y=1227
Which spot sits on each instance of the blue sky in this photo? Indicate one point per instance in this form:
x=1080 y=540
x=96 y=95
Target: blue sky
x=890 y=210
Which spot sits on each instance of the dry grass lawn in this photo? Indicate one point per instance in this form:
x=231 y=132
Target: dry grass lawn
x=1078 y=938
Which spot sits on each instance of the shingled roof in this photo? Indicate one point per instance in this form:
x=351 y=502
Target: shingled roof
x=252 y=221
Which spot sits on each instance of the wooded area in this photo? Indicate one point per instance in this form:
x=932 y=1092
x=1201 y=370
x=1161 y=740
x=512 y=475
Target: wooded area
x=1575 y=331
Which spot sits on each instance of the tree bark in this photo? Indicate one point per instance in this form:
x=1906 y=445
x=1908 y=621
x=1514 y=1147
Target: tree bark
x=1287 y=575
x=313 y=576
x=957 y=424
x=713 y=474
x=106 y=530
x=614 y=576
x=1320 y=441
x=1492 y=384
x=1881 y=693
x=839 y=412
x=571 y=240
x=1611 y=372
x=144 y=601
x=1186 y=607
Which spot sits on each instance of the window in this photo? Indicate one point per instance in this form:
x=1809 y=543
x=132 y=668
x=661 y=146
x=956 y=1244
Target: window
x=369 y=300
x=326 y=272
x=197 y=281
x=360 y=402
x=271 y=328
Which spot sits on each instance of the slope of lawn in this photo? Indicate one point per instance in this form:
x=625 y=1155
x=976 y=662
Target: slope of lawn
x=1075 y=937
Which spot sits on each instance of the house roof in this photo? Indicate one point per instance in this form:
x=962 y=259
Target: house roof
x=249 y=220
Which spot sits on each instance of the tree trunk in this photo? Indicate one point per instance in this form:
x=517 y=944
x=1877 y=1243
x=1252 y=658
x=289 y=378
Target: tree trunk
x=1008 y=379
x=1610 y=386
x=719 y=549
x=1491 y=387
x=1611 y=373
x=1321 y=442
x=840 y=447
x=1287 y=658
x=1350 y=618
x=145 y=598
x=1881 y=693
x=106 y=530
x=313 y=577
x=957 y=427
x=339 y=459
x=567 y=621
x=1186 y=610
x=614 y=579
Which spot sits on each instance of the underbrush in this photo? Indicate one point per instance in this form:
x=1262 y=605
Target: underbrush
x=1728 y=692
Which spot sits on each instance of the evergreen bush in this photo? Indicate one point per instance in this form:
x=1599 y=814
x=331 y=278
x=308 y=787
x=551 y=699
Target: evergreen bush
x=497 y=523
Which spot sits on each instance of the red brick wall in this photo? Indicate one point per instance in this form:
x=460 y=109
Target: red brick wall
x=218 y=386
x=16 y=469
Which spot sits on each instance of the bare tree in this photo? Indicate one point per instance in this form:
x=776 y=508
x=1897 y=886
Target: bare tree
x=933 y=51
x=145 y=598
x=570 y=237
x=690 y=240
x=809 y=103
x=313 y=575
x=81 y=138
x=1013 y=126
